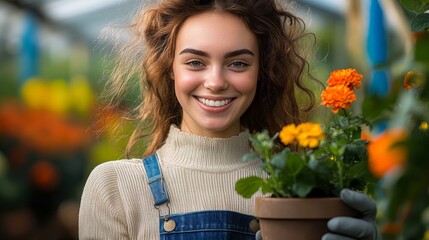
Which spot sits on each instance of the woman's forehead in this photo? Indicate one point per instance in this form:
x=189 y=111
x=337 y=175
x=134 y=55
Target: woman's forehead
x=219 y=29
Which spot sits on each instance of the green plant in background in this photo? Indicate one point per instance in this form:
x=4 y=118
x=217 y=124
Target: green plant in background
x=314 y=160
x=420 y=22
x=398 y=156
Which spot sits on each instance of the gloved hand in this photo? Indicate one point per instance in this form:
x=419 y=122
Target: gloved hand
x=258 y=235
x=348 y=228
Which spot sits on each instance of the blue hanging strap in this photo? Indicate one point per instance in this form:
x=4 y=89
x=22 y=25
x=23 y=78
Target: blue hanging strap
x=155 y=180
x=377 y=50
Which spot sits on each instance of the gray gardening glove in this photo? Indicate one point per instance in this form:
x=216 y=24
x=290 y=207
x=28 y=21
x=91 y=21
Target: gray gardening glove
x=348 y=228
x=258 y=235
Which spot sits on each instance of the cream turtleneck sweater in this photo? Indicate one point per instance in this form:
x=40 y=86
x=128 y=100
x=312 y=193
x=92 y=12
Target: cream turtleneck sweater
x=199 y=172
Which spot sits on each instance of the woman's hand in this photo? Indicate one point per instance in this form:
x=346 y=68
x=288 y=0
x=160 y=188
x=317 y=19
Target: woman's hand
x=348 y=228
x=258 y=235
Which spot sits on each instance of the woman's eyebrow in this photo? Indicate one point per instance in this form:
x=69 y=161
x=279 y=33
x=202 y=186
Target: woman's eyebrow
x=239 y=52
x=227 y=55
x=194 y=51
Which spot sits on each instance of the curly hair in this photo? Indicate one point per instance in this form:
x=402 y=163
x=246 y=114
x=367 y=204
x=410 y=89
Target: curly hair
x=281 y=67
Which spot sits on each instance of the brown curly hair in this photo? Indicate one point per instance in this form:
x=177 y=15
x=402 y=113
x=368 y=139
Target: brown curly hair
x=281 y=68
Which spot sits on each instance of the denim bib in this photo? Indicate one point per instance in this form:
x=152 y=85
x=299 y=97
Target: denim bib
x=207 y=225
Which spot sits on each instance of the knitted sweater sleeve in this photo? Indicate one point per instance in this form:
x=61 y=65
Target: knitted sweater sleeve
x=102 y=214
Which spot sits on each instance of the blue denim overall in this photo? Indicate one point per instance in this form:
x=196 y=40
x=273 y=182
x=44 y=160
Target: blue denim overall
x=207 y=225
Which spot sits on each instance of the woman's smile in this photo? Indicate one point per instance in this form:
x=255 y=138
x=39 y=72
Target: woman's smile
x=214 y=103
x=215 y=73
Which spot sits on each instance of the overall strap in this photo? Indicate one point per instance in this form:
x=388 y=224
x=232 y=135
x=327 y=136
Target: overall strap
x=155 y=180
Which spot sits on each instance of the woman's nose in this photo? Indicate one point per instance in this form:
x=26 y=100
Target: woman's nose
x=216 y=80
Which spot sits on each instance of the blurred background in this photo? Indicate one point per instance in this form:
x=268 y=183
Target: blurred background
x=53 y=68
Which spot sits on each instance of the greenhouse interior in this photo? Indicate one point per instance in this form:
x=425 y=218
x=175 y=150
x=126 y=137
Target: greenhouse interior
x=57 y=55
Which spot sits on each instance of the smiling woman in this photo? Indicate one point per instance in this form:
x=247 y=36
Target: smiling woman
x=215 y=83
x=211 y=72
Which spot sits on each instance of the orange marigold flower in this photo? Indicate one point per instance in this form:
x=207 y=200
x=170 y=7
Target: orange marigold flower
x=338 y=97
x=288 y=134
x=391 y=228
x=407 y=80
x=348 y=77
x=384 y=153
x=45 y=175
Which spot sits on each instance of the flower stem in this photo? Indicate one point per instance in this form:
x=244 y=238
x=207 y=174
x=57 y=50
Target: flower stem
x=340 y=172
x=347 y=130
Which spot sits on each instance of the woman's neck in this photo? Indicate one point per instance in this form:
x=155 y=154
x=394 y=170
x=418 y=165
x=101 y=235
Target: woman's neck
x=209 y=154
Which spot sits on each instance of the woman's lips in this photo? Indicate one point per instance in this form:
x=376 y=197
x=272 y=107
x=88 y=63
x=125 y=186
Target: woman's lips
x=215 y=103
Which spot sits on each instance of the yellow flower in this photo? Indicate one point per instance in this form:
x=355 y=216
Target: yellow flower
x=348 y=77
x=82 y=95
x=305 y=134
x=59 y=97
x=35 y=93
x=423 y=126
x=426 y=236
x=288 y=134
x=309 y=135
x=338 y=97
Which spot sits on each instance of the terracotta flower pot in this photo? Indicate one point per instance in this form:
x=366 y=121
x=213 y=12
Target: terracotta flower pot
x=298 y=218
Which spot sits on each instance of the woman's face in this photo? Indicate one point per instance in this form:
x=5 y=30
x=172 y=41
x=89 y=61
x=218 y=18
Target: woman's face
x=215 y=70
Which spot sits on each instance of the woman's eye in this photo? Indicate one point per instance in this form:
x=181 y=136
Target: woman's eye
x=239 y=64
x=194 y=63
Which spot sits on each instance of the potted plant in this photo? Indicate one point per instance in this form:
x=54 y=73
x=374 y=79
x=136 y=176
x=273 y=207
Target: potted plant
x=309 y=164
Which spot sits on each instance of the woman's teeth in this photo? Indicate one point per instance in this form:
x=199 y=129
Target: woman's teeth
x=213 y=103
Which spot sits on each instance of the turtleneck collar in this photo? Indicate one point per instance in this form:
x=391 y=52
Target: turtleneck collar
x=208 y=154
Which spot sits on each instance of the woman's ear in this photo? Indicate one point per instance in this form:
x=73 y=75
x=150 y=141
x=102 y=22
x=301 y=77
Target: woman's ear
x=171 y=74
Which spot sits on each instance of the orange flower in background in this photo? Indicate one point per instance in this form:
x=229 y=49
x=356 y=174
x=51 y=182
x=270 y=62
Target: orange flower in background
x=41 y=130
x=338 y=97
x=385 y=153
x=413 y=80
x=392 y=228
x=348 y=77
x=44 y=175
x=407 y=80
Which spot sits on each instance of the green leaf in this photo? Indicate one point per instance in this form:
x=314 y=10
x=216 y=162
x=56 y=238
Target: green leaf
x=302 y=189
x=266 y=188
x=294 y=164
x=250 y=156
x=355 y=153
x=248 y=186
x=417 y=6
x=420 y=23
x=279 y=160
x=422 y=48
x=315 y=165
x=358 y=170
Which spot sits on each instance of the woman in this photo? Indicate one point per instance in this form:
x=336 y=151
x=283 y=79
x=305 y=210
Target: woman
x=211 y=72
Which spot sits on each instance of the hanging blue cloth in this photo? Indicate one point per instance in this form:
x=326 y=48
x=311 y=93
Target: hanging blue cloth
x=29 y=52
x=377 y=49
